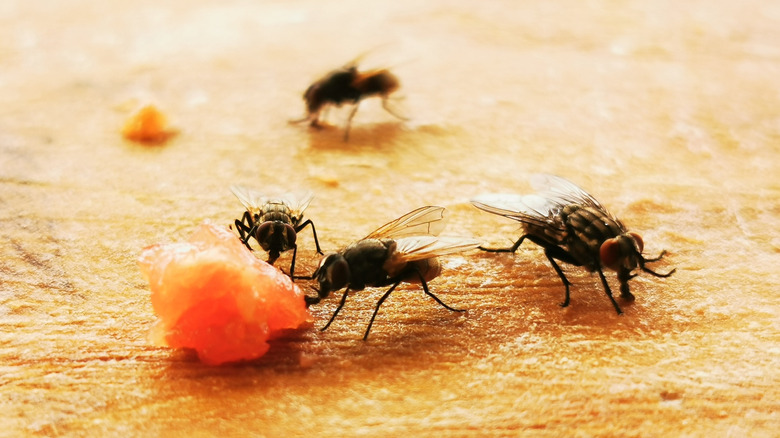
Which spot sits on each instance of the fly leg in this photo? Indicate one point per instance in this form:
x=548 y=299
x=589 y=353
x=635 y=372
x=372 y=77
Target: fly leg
x=642 y=266
x=376 y=310
x=324 y=117
x=555 y=252
x=293 y=277
x=313 y=231
x=551 y=257
x=609 y=291
x=552 y=252
x=313 y=118
x=305 y=277
x=391 y=111
x=430 y=294
x=349 y=121
x=245 y=228
x=512 y=248
x=242 y=233
x=655 y=259
x=296 y=121
x=336 y=312
x=312 y=300
x=292 y=263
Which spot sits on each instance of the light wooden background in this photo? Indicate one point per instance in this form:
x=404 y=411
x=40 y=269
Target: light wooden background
x=668 y=112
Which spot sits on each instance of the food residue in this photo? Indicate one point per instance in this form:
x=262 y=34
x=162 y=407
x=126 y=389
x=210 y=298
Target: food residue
x=148 y=125
x=213 y=295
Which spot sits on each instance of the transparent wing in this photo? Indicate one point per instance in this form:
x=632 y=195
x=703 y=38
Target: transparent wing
x=564 y=192
x=425 y=221
x=409 y=249
x=250 y=199
x=254 y=201
x=530 y=209
x=360 y=57
x=298 y=202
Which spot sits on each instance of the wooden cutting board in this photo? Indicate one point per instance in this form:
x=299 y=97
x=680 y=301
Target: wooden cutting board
x=667 y=112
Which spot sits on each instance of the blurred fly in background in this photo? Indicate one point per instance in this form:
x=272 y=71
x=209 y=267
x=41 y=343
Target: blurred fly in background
x=348 y=85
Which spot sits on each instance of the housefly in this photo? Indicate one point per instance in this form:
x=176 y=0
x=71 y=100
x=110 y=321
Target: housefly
x=404 y=250
x=273 y=221
x=348 y=85
x=573 y=227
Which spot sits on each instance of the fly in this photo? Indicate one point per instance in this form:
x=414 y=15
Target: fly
x=348 y=85
x=273 y=221
x=404 y=250
x=573 y=227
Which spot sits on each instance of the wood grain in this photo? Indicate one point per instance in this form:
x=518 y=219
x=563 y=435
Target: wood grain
x=667 y=112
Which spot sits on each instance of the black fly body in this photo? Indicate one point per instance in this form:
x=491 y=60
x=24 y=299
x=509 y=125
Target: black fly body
x=573 y=227
x=273 y=221
x=404 y=250
x=348 y=85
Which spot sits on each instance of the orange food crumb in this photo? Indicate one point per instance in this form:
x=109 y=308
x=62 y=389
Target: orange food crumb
x=213 y=295
x=148 y=125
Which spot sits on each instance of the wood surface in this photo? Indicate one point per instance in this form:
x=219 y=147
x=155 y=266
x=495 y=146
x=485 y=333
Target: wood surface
x=668 y=112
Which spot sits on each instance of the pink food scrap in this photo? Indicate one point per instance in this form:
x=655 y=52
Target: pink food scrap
x=213 y=295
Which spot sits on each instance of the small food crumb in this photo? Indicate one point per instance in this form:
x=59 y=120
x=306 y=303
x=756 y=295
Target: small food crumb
x=213 y=295
x=328 y=180
x=148 y=125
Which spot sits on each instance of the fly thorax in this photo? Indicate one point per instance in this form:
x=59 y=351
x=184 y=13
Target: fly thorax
x=590 y=225
x=366 y=260
x=587 y=229
x=276 y=211
x=621 y=253
x=394 y=263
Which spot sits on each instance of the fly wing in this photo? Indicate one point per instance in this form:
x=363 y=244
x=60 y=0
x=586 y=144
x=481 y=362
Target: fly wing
x=564 y=192
x=409 y=249
x=533 y=210
x=298 y=203
x=360 y=57
x=425 y=221
x=252 y=200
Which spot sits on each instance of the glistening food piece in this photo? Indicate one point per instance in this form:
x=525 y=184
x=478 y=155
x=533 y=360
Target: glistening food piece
x=213 y=295
x=149 y=125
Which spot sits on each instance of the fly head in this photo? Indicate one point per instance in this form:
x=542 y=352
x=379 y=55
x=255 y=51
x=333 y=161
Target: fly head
x=275 y=237
x=622 y=253
x=332 y=274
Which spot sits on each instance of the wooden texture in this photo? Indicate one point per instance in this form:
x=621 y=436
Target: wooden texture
x=668 y=112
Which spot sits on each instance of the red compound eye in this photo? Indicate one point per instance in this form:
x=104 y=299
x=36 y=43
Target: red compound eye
x=610 y=253
x=640 y=244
